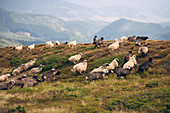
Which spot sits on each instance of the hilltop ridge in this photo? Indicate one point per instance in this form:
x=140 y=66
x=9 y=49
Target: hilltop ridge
x=138 y=93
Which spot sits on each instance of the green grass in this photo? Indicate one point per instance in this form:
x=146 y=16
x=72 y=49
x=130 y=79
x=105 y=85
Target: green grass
x=146 y=92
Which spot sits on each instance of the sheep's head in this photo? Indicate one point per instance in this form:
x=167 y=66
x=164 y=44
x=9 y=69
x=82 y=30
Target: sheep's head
x=134 y=59
x=105 y=71
x=117 y=59
x=12 y=82
x=58 y=72
x=8 y=75
x=130 y=52
x=105 y=65
x=80 y=53
x=150 y=59
x=41 y=65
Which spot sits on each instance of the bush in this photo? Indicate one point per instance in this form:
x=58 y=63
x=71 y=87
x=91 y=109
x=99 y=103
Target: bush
x=18 y=109
x=152 y=84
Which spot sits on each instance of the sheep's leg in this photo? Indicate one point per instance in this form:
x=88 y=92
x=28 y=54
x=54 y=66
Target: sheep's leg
x=110 y=51
x=103 y=45
x=79 y=73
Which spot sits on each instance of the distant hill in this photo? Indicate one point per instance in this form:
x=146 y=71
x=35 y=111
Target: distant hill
x=33 y=28
x=124 y=27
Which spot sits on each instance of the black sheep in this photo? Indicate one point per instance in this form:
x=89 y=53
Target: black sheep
x=44 y=76
x=145 y=66
x=30 y=81
x=127 y=57
x=6 y=86
x=131 y=39
x=142 y=37
x=138 y=42
x=52 y=77
x=122 y=72
x=96 y=75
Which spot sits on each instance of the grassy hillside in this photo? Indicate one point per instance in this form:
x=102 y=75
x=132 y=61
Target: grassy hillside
x=147 y=92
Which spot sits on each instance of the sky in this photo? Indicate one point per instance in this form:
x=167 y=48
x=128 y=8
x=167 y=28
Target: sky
x=141 y=10
x=98 y=10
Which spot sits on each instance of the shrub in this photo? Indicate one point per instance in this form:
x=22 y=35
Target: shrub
x=152 y=84
x=21 y=109
x=18 y=109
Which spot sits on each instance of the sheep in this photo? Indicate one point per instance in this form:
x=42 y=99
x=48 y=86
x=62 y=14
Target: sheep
x=94 y=39
x=113 y=46
x=146 y=65
x=112 y=65
x=123 y=72
x=4 y=77
x=96 y=75
x=142 y=37
x=30 y=81
x=49 y=44
x=72 y=44
x=44 y=76
x=37 y=69
x=29 y=64
x=127 y=57
x=80 y=67
x=57 y=43
x=31 y=47
x=108 y=44
x=52 y=77
x=6 y=86
x=18 y=70
x=131 y=62
x=143 y=50
x=98 y=42
x=18 y=82
x=131 y=39
x=75 y=59
x=65 y=43
x=138 y=42
x=121 y=40
x=101 y=68
x=18 y=48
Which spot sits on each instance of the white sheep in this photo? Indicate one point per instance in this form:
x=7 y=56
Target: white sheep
x=131 y=62
x=121 y=40
x=101 y=68
x=18 y=70
x=4 y=77
x=49 y=44
x=72 y=44
x=37 y=69
x=113 y=46
x=31 y=47
x=57 y=43
x=29 y=64
x=143 y=50
x=81 y=67
x=18 y=48
x=75 y=58
x=113 y=65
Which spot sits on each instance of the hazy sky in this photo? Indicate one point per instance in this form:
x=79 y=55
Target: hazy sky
x=103 y=10
x=146 y=10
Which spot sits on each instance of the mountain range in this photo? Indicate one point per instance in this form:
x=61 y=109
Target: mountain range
x=35 y=28
x=22 y=28
x=124 y=27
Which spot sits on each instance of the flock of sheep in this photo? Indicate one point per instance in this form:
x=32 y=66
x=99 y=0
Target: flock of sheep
x=80 y=68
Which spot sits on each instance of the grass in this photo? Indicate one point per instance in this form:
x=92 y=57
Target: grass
x=140 y=92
